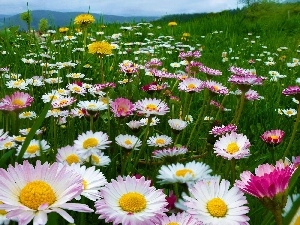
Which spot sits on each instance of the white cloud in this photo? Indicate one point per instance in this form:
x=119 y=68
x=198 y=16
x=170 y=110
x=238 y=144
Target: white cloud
x=119 y=7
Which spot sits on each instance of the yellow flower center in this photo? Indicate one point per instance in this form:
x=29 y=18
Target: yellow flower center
x=274 y=137
x=95 y=159
x=8 y=144
x=216 y=88
x=217 y=207
x=289 y=112
x=90 y=143
x=160 y=141
x=36 y=193
x=191 y=86
x=26 y=114
x=128 y=142
x=72 y=158
x=172 y=223
x=63 y=102
x=132 y=202
x=32 y=149
x=2 y=212
x=151 y=107
x=18 y=102
x=76 y=89
x=232 y=148
x=19 y=138
x=183 y=172
x=84 y=184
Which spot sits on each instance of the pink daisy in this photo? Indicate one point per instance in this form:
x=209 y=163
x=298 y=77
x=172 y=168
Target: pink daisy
x=151 y=107
x=216 y=87
x=209 y=71
x=292 y=90
x=122 y=107
x=30 y=193
x=17 y=101
x=221 y=130
x=232 y=145
x=191 y=85
x=189 y=55
x=268 y=180
x=169 y=152
x=272 y=137
x=180 y=218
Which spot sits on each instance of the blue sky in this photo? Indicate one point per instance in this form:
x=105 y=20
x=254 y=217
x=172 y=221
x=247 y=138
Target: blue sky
x=119 y=7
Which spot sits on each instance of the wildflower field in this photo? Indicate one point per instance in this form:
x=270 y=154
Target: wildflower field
x=162 y=123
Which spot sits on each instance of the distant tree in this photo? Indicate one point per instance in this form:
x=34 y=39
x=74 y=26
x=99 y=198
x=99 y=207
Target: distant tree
x=43 y=25
x=27 y=18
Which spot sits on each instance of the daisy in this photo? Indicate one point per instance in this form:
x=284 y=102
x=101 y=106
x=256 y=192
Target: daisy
x=292 y=90
x=17 y=101
x=151 y=107
x=169 y=152
x=62 y=102
x=134 y=124
x=159 y=140
x=93 y=180
x=232 y=145
x=57 y=113
x=7 y=143
x=3 y=135
x=17 y=84
x=252 y=95
x=34 y=148
x=128 y=141
x=154 y=121
x=131 y=201
x=3 y=218
x=289 y=112
x=177 y=124
x=189 y=55
x=122 y=107
x=179 y=219
x=209 y=71
x=89 y=143
x=215 y=203
x=45 y=188
x=92 y=106
x=272 y=137
x=68 y=155
x=216 y=87
x=179 y=173
x=27 y=115
x=99 y=159
x=75 y=88
x=191 y=85
x=50 y=96
x=221 y=130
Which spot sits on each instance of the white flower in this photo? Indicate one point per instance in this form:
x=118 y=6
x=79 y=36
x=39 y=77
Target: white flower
x=159 y=140
x=128 y=141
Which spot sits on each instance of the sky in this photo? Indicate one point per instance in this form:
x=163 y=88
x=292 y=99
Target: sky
x=119 y=7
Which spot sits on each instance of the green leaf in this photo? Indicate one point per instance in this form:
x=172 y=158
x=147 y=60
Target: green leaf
x=294 y=179
x=288 y=218
x=5 y=157
x=33 y=130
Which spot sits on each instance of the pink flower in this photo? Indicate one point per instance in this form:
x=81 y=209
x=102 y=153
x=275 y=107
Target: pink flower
x=17 y=101
x=209 y=71
x=189 y=55
x=292 y=90
x=216 y=87
x=268 y=180
x=221 y=130
x=122 y=107
x=272 y=137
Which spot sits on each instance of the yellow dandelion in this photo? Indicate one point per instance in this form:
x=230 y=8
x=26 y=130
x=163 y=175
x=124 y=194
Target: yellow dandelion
x=172 y=24
x=84 y=19
x=63 y=29
x=100 y=48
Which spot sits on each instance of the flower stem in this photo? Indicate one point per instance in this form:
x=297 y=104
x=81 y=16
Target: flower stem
x=278 y=216
x=240 y=109
x=286 y=152
x=233 y=172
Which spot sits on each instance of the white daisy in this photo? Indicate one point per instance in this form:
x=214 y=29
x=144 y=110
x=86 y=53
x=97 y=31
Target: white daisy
x=131 y=201
x=128 y=141
x=89 y=143
x=93 y=180
x=151 y=107
x=154 y=121
x=27 y=115
x=214 y=203
x=68 y=155
x=34 y=148
x=177 y=124
x=179 y=173
x=159 y=140
x=92 y=106
x=99 y=159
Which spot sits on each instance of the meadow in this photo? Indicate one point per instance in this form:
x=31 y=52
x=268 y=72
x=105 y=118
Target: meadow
x=178 y=121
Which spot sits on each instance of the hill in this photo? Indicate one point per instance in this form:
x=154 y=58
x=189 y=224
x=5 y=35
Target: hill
x=59 y=19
